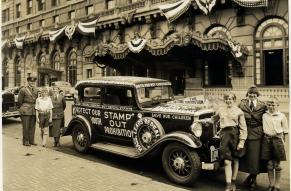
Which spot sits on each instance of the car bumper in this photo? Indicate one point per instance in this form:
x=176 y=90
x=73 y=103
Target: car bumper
x=210 y=166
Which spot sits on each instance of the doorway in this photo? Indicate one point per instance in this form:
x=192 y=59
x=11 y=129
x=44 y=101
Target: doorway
x=177 y=78
x=273 y=67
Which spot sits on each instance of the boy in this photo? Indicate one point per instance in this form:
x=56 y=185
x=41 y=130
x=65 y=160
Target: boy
x=44 y=108
x=275 y=128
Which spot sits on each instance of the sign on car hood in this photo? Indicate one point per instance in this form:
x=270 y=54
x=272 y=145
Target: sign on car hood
x=196 y=105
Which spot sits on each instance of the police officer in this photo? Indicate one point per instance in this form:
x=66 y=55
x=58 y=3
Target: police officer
x=26 y=100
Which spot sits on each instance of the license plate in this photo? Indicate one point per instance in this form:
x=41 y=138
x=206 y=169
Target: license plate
x=207 y=166
x=214 y=155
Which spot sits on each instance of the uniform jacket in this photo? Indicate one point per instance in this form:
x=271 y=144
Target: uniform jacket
x=59 y=105
x=26 y=100
x=253 y=117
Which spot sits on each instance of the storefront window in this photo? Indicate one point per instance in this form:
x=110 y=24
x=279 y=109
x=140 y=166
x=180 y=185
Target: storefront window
x=72 y=67
x=271 y=52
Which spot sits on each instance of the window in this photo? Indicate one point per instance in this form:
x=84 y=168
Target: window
x=42 y=23
x=5 y=33
x=18 y=10
x=72 y=15
x=89 y=9
x=17 y=29
x=55 y=3
x=271 y=53
x=5 y=15
x=110 y=4
x=56 y=19
x=17 y=72
x=29 y=6
x=89 y=73
x=41 y=5
x=118 y=96
x=56 y=61
x=92 y=94
x=72 y=67
x=29 y=26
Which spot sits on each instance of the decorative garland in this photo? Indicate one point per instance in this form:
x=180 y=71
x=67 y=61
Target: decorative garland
x=70 y=30
x=205 y=5
x=53 y=35
x=252 y=3
x=136 y=45
x=173 y=11
x=19 y=42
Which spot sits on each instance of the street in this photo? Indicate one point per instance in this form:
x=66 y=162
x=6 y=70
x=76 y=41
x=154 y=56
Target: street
x=37 y=168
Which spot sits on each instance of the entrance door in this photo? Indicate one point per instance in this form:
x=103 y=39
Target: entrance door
x=273 y=67
x=177 y=78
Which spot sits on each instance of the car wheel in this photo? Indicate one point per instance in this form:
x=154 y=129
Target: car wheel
x=81 y=138
x=181 y=164
x=146 y=132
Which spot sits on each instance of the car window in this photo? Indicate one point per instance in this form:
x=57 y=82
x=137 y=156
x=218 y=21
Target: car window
x=149 y=94
x=118 y=96
x=92 y=94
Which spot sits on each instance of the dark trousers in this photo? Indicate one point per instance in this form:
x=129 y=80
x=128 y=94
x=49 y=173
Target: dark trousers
x=28 y=128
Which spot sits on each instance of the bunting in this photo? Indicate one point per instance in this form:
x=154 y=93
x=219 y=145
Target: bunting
x=53 y=35
x=205 y=5
x=70 y=30
x=252 y=3
x=235 y=48
x=136 y=45
x=87 y=28
x=173 y=11
x=19 y=42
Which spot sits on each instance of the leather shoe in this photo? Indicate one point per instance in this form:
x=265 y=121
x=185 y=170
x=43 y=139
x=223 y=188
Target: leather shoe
x=34 y=144
x=26 y=144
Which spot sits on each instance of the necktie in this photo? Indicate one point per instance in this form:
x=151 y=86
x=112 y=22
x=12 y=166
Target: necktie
x=252 y=106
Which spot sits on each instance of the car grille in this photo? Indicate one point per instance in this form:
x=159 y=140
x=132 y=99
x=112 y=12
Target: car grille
x=7 y=101
x=207 y=132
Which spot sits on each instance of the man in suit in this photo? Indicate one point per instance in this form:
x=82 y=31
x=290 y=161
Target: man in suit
x=26 y=100
x=253 y=110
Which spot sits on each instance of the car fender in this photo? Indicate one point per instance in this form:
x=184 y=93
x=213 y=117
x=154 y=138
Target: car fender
x=78 y=119
x=178 y=136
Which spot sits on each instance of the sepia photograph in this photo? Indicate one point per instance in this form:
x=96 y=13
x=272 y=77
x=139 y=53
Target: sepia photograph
x=138 y=95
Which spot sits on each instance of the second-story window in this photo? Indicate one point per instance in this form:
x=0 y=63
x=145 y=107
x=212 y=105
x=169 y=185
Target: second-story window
x=18 y=10
x=17 y=30
x=5 y=15
x=56 y=19
x=41 y=23
x=110 y=4
x=29 y=6
x=89 y=9
x=29 y=26
x=41 y=5
x=55 y=3
x=72 y=14
x=5 y=33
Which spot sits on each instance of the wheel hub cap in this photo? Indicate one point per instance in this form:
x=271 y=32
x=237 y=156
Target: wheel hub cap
x=147 y=137
x=80 y=137
x=179 y=163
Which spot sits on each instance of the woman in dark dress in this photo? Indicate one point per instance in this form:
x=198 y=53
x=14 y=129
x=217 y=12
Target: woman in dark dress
x=253 y=110
x=59 y=104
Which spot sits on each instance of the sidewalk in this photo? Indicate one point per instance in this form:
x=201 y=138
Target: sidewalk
x=43 y=169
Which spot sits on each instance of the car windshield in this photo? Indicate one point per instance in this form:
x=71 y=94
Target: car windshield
x=149 y=96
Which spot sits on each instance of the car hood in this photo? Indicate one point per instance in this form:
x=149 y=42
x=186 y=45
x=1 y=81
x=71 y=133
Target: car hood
x=196 y=106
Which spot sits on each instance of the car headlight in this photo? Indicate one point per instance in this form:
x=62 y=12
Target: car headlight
x=196 y=128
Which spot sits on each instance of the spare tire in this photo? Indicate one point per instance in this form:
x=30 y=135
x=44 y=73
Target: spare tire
x=146 y=131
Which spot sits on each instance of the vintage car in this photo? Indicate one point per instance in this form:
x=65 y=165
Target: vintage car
x=9 y=104
x=136 y=116
x=66 y=87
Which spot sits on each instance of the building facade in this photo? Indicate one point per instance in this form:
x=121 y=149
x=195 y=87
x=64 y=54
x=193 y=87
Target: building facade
x=200 y=46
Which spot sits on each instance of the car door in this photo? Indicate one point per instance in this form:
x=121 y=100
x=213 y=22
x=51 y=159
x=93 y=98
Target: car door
x=119 y=113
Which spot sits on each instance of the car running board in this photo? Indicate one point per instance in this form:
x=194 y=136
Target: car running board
x=117 y=149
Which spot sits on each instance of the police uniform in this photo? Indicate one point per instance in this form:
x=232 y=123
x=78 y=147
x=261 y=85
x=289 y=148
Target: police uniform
x=26 y=100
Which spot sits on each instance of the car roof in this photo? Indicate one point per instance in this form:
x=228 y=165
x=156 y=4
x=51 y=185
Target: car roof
x=124 y=81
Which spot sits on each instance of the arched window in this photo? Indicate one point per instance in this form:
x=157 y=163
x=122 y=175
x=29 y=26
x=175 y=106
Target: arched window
x=271 y=53
x=56 y=61
x=72 y=67
x=17 y=71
